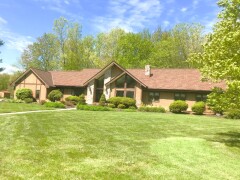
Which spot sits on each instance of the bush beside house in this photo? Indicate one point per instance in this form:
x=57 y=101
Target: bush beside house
x=178 y=106
x=55 y=95
x=199 y=108
x=24 y=93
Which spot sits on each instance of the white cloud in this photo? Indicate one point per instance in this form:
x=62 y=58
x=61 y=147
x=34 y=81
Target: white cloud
x=9 y=69
x=3 y=21
x=184 y=9
x=195 y=4
x=166 y=24
x=15 y=41
x=129 y=14
x=60 y=6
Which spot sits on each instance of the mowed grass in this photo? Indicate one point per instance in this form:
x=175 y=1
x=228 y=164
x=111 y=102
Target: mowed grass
x=118 y=145
x=6 y=107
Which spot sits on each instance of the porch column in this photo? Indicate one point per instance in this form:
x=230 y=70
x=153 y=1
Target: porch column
x=138 y=95
x=90 y=92
x=107 y=78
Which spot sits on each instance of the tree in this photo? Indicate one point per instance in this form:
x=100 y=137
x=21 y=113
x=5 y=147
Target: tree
x=173 y=47
x=220 y=59
x=42 y=54
x=60 y=29
x=1 y=43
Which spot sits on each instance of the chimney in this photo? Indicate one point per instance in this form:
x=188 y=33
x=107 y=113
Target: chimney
x=147 y=70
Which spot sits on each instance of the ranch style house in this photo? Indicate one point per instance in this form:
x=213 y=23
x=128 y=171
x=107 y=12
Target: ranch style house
x=157 y=87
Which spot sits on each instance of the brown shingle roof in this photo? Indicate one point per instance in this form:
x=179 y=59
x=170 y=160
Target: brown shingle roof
x=174 y=79
x=44 y=75
x=72 y=78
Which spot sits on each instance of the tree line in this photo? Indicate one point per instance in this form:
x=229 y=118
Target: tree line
x=67 y=49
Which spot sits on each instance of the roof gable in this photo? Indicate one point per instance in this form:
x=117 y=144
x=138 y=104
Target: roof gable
x=102 y=71
x=43 y=76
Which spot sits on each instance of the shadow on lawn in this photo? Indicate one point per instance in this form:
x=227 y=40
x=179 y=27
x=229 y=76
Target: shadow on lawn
x=230 y=138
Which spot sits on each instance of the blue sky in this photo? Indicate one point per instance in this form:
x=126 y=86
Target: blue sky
x=22 y=21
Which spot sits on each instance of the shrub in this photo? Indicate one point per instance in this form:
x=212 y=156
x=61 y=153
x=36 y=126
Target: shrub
x=54 y=104
x=216 y=100
x=28 y=100
x=233 y=114
x=82 y=99
x=132 y=107
x=15 y=101
x=111 y=105
x=73 y=99
x=122 y=100
x=199 y=108
x=178 y=106
x=55 y=95
x=70 y=103
x=42 y=102
x=152 y=109
x=102 y=101
x=92 y=108
x=24 y=93
x=121 y=106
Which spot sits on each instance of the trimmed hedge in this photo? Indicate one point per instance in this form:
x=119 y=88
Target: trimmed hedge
x=92 y=108
x=122 y=100
x=111 y=105
x=28 y=100
x=199 y=108
x=72 y=99
x=82 y=99
x=55 y=95
x=24 y=93
x=54 y=104
x=152 y=109
x=121 y=106
x=178 y=106
x=233 y=114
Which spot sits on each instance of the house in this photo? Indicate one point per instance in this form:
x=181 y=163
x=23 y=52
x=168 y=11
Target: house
x=4 y=94
x=157 y=87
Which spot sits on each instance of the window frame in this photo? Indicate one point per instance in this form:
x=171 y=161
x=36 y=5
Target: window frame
x=180 y=95
x=153 y=100
x=125 y=88
x=37 y=95
x=202 y=98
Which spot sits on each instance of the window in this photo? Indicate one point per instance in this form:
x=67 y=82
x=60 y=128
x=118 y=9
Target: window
x=180 y=96
x=37 y=94
x=120 y=82
x=130 y=94
x=153 y=96
x=201 y=97
x=130 y=82
x=125 y=86
x=99 y=93
x=120 y=93
x=100 y=82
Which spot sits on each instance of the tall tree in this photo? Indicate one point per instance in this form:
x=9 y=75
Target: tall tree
x=220 y=59
x=173 y=47
x=60 y=28
x=1 y=43
x=42 y=54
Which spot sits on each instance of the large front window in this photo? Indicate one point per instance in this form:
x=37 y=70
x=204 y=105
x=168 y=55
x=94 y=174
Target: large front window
x=180 y=96
x=99 y=88
x=125 y=86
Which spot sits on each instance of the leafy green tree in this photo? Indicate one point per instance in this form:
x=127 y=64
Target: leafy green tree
x=4 y=81
x=1 y=43
x=60 y=29
x=42 y=54
x=220 y=59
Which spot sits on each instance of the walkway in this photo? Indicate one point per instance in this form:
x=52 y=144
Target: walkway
x=28 y=112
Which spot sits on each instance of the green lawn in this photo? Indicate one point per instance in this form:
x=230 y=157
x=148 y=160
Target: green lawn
x=6 y=107
x=118 y=145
